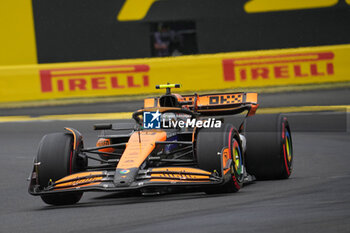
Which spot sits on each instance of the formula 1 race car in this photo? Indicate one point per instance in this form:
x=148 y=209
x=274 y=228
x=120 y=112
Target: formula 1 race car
x=194 y=142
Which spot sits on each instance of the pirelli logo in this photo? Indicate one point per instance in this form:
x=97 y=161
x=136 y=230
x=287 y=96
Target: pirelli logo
x=94 y=78
x=299 y=65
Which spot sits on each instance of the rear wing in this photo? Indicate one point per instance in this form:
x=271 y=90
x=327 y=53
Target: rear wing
x=214 y=104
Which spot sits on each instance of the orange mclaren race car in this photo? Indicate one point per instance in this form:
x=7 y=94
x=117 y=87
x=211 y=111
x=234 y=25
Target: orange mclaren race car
x=197 y=142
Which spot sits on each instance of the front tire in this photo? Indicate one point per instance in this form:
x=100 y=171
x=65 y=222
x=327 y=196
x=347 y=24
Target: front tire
x=57 y=160
x=209 y=143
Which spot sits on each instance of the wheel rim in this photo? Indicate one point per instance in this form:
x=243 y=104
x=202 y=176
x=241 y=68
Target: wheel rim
x=237 y=159
x=288 y=143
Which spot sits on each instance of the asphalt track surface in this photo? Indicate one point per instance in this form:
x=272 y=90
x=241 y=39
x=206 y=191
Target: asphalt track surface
x=316 y=198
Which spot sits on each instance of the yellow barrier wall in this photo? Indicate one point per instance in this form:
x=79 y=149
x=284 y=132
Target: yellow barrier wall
x=202 y=72
x=17 y=40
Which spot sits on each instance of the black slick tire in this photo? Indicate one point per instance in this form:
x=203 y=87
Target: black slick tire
x=269 y=153
x=55 y=155
x=209 y=143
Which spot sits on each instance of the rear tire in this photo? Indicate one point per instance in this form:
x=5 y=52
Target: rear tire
x=209 y=143
x=269 y=152
x=57 y=160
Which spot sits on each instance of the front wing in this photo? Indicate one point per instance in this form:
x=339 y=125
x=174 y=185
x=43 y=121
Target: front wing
x=112 y=180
